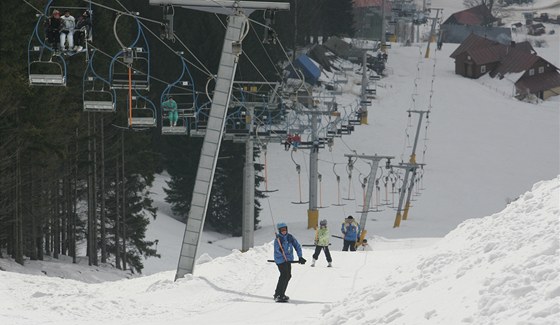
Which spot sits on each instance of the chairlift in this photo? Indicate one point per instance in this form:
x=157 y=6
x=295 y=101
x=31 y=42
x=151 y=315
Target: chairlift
x=183 y=93
x=130 y=67
x=44 y=66
x=99 y=101
x=128 y=70
x=47 y=73
x=97 y=94
x=143 y=113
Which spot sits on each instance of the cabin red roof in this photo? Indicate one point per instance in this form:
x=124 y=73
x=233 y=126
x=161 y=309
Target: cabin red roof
x=473 y=41
x=516 y=60
x=540 y=82
x=477 y=16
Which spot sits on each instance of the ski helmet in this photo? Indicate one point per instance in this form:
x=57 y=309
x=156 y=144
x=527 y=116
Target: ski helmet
x=323 y=223
x=281 y=225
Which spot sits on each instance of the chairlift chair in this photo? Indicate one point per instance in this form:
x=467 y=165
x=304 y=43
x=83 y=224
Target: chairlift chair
x=130 y=67
x=47 y=73
x=99 y=101
x=139 y=65
x=97 y=94
x=183 y=92
x=44 y=66
x=143 y=114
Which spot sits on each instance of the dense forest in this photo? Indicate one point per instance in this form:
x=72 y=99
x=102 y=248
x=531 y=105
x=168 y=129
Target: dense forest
x=77 y=183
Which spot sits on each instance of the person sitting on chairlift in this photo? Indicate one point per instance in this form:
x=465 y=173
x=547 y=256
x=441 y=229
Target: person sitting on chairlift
x=296 y=140
x=171 y=106
x=67 y=32
x=288 y=142
x=83 y=30
x=53 y=25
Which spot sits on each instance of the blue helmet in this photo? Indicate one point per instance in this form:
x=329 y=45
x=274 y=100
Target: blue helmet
x=281 y=225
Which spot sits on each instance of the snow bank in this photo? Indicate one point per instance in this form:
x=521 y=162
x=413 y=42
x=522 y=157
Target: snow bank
x=501 y=269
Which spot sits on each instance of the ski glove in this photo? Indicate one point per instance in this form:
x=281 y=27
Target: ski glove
x=302 y=260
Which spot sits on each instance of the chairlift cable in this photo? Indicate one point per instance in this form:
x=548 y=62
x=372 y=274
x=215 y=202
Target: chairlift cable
x=174 y=51
x=207 y=72
x=251 y=61
x=129 y=13
x=264 y=48
x=279 y=43
x=29 y=4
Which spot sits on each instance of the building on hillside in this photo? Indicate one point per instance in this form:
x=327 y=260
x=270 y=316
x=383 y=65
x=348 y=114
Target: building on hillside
x=478 y=20
x=518 y=62
x=478 y=55
x=475 y=16
x=531 y=74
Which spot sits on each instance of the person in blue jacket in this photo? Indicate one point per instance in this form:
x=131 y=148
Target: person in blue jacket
x=351 y=231
x=284 y=245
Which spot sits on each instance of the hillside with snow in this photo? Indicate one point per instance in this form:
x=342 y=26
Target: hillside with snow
x=500 y=269
x=481 y=245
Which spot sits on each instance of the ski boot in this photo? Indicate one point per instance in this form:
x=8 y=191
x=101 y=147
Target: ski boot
x=283 y=298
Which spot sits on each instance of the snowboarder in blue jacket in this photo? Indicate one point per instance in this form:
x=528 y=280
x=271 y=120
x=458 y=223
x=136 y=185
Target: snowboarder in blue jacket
x=351 y=231
x=284 y=245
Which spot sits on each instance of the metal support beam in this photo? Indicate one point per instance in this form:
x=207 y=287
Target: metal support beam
x=364 y=97
x=432 y=30
x=313 y=213
x=370 y=183
x=210 y=147
x=398 y=217
x=413 y=161
x=248 y=221
x=235 y=32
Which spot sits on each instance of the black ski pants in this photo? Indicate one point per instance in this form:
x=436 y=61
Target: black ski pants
x=285 y=276
x=349 y=244
x=318 y=251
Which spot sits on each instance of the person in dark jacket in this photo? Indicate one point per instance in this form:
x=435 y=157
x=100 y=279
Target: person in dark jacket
x=83 y=30
x=351 y=231
x=53 y=24
x=284 y=245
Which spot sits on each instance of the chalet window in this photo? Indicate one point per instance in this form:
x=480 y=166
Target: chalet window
x=531 y=72
x=541 y=69
x=482 y=69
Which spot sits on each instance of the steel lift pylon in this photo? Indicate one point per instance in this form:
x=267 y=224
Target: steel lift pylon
x=238 y=12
